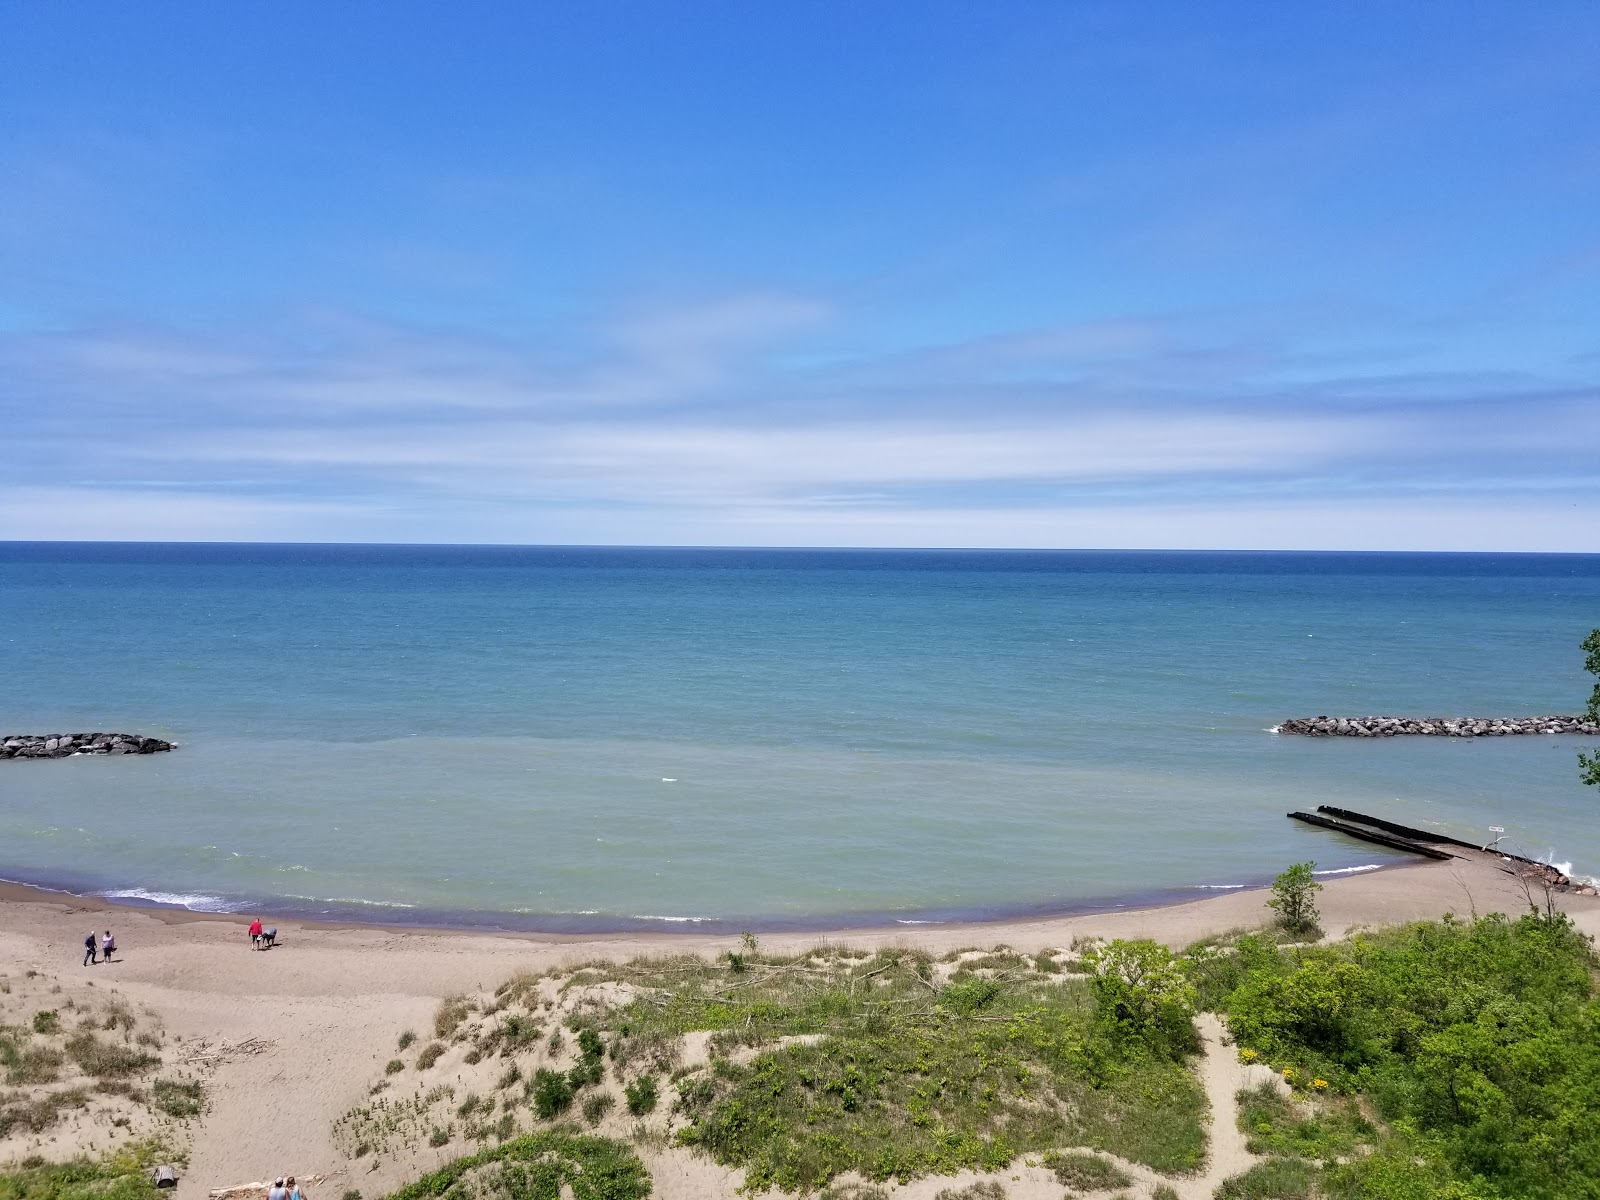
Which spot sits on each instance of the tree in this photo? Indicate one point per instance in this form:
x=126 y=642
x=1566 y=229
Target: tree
x=1589 y=764
x=1294 y=898
x=1142 y=987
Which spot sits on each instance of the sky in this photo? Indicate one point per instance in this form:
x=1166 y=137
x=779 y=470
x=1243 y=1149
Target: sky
x=990 y=273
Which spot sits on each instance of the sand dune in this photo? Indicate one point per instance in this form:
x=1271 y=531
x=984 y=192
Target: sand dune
x=288 y=1039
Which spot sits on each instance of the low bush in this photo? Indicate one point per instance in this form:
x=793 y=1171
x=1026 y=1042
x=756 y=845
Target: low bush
x=177 y=1098
x=551 y=1093
x=125 y=1175
x=542 y=1166
x=36 y=1114
x=641 y=1095
x=452 y=1011
x=30 y=1064
x=1089 y=1172
x=1285 y=1179
x=596 y=1106
x=1480 y=1037
x=107 y=1059
x=431 y=1053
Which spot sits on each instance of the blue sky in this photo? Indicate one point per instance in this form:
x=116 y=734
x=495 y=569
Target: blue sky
x=978 y=274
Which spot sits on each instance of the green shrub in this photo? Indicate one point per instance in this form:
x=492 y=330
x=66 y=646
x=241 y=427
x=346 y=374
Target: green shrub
x=1282 y=1179
x=1087 y=1171
x=393 y=1067
x=539 y=1167
x=47 y=1020
x=107 y=1059
x=970 y=996
x=1294 y=899
x=1143 y=989
x=596 y=1106
x=177 y=1098
x=551 y=1093
x=1482 y=1037
x=406 y=1039
x=36 y=1114
x=124 y=1175
x=641 y=1095
x=590 y=1044
x=431 y=1053
x=439 y=1137
x=26 y=1064
x=1321 y=1129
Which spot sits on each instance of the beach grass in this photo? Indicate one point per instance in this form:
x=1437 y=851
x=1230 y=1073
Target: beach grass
x=541 y=1166
x=124 y=1175
x=890 y=1064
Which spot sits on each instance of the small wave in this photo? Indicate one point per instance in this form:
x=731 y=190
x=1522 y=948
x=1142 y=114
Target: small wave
x=368 y=903
x=1274 y=729
x=192 y=902
x=1350 y=870
x=908 y=921
x=673 y=920
x=1219 y=887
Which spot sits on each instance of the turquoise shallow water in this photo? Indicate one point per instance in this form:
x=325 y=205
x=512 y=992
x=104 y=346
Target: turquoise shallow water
x=570 y=738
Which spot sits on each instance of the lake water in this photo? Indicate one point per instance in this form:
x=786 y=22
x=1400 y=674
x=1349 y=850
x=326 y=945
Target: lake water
x=610 y=738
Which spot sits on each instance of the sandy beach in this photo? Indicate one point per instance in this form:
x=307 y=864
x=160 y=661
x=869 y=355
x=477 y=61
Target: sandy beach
x=287 y=1040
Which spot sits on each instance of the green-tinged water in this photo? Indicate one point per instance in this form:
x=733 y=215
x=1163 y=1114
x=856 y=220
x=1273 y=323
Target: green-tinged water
x=586 y=738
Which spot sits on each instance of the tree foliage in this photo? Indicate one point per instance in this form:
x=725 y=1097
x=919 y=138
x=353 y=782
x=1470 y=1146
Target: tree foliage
x=1294 y=899
x=1589 y=764
x=1142 y=987
x=1478 y=1041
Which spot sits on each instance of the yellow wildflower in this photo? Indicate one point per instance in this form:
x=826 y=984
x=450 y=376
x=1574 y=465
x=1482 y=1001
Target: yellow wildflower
x=1320 y=1084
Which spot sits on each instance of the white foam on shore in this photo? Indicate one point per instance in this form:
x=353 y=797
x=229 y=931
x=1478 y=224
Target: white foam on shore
x=1219 y=887
x=1350 y=870
x=369 y=903
x=908 y=921
x=673 y=920
x=192 y=902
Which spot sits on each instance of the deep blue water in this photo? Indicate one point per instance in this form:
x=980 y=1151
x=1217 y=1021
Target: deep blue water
x=586 y=736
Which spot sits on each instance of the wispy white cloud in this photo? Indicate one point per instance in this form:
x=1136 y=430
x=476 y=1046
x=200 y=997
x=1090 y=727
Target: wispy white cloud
x=691 y=424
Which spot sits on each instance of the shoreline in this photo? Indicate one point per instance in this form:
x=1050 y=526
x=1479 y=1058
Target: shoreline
x=288 y=1040
x=602 y=925
x=1386 y=893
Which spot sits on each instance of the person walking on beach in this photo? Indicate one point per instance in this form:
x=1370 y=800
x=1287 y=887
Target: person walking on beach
x=89 y=945
x=294 y=1190
x=255 y=943
x=277 y=1191
x=107 y=945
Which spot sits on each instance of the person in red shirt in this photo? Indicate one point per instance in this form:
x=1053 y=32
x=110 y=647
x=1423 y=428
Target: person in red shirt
x=255 y=933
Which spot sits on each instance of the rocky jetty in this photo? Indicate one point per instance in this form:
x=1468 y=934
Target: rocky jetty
x=63 y=745
x=1434 y=726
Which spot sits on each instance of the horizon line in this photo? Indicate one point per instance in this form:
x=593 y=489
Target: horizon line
x=773 y=548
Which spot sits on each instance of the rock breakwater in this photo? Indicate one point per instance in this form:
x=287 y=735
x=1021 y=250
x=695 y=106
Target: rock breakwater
x=64 y=745
x=1434 y=726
